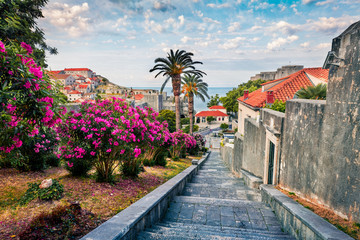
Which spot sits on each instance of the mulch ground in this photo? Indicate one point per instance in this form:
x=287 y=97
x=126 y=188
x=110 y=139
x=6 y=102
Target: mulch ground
x=84 y=206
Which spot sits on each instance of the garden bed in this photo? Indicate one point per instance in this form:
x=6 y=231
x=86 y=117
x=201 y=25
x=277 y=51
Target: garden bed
x=63 y=218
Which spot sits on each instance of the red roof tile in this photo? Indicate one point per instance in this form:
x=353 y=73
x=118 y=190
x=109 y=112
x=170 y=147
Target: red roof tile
x=211 y=113
x=58 y=76
x=83 y=86
x=286 y=88
x=74 y=92
x=217 y=107
x=139 y=96
x=77 y=69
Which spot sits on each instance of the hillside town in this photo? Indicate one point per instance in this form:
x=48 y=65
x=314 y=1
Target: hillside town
x=83 y=84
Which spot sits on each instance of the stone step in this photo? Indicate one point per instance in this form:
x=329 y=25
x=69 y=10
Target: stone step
x=216 y=180
x=181 y=234
x=240 y=186
x=219 y=202
x=169 y=227
x=223 y=193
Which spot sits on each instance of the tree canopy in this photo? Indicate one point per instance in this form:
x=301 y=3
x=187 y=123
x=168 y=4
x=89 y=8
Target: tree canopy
x=214 y=101
x=230 y=100
x=169 y=117
x=18 y=23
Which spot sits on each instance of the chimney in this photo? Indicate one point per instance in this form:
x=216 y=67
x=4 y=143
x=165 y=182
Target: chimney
x=246 y=94
x=269 y=97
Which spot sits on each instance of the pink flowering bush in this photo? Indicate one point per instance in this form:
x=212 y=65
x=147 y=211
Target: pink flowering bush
x=182 y=142
x=27 y=101
x=111 y=133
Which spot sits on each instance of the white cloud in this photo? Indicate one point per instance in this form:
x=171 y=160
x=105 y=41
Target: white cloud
x=285 y=28
x=282 y=7
x=232 y=43
x=254 y=28
x=71 y=19
x=324 y=2
x=308 y=1
x=234 y=26
x=264 y=5
x=185 y=39
x=323 y=45
x=224 y=5
x=331 y=25
x=305 y=44
x=198 y=13
x=277 y=43
x=161 y=6
x=210 y=20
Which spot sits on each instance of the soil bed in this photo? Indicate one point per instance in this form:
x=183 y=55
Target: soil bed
x=349 y=227
x=85 y=205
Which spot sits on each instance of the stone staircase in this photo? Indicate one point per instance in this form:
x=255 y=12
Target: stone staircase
x=217 y=205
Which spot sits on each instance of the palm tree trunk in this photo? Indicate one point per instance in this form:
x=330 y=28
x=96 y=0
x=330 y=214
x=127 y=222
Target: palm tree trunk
x=176 y=82
x=191 y=112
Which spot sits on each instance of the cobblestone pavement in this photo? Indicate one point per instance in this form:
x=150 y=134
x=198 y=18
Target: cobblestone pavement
x=217 y=205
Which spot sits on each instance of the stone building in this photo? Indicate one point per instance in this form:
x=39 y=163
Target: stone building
x=282 y=89
x=313 y=149
x=279 y=73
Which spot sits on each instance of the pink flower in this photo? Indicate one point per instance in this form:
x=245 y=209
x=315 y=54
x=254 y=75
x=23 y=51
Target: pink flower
x=2 y=47
x=70 y=164
x=27 y=85
x=11 y=73
x=27 y=47
x=109 y=150
x=92 y=153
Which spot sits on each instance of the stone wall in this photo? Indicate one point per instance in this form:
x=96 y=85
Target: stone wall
x=322 y=148
x=254 y=147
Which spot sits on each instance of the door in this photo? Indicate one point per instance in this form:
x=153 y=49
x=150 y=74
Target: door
x=271 y=162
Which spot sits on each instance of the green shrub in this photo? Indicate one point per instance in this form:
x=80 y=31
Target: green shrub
x=148 y=162
x=160 y=159
x=52 y=160
x=185 y=121
x=131 y=168
x=54 y=192
x=224 y=126
x=176 y=158
x=79 y=167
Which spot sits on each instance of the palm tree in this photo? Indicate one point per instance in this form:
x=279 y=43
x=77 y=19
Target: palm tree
x=317 y=92
x=193 y=86
x=172 y=67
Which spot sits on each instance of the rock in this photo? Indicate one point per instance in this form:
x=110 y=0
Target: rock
x=46 y=183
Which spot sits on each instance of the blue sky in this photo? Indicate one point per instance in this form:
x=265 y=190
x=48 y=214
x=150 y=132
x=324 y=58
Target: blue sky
x=235 y=39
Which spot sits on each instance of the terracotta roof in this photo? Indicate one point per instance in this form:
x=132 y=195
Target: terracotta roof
x=287 y=86
x=211 y=113
x=74 y=92
x=58 y=76
x=77 y=69
x=217 y=107
x=83 y=86
x=54 y=72
x=67 y=88
x=139 y=96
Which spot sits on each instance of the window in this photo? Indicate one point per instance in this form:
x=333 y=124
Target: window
x=223 y=119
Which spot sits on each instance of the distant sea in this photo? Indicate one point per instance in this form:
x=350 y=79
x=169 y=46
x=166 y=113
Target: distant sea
x=199 y=105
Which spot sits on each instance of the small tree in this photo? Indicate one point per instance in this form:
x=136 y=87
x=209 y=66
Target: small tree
x=224 y=126
x=209 y=119
x=214 y=101
x=168 y=116
x=278 y=105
